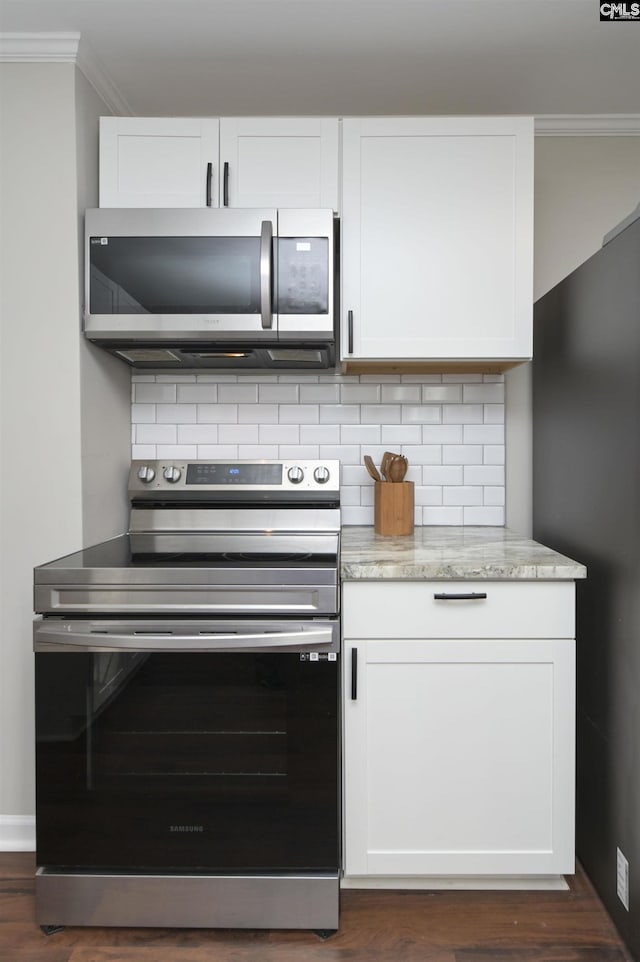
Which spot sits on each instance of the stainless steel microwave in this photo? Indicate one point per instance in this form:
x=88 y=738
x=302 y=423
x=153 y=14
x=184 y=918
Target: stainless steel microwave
x=228 y=289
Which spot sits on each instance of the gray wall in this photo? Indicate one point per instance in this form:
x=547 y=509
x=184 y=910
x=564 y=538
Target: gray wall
x=63 y=412
x=583 y=187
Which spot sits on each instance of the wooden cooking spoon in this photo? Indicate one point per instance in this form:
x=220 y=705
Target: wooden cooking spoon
x=397 y=469
x=371 y=468
x=387 y=457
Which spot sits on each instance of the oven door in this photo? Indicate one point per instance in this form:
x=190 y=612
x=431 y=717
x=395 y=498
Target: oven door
x=191 y=745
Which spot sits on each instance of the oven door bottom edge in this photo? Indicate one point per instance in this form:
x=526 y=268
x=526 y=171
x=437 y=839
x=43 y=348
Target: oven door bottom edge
x=187 y=901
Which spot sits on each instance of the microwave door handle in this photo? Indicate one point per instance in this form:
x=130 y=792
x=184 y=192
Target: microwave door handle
x=266 y=237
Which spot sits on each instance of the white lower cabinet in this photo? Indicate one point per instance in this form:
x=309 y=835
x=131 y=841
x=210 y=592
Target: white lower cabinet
x=459 y=750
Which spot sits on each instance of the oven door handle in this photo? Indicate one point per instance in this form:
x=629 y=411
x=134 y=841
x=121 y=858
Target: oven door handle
x=66 y=637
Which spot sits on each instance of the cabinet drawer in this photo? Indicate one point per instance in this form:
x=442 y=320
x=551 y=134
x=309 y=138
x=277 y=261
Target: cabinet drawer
x=448 y=609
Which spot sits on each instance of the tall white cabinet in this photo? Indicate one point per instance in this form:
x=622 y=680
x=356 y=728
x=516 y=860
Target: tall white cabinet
x=459 y=713
x=227 y=162
x=437 y=239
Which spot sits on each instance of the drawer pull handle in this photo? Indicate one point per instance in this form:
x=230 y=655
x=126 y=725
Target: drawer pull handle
x=354 y=674
x=466 y=596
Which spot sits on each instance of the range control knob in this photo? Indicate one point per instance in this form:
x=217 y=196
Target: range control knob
x=321 y=474
x=172 y=474
x=295 y=474
x=146 y=474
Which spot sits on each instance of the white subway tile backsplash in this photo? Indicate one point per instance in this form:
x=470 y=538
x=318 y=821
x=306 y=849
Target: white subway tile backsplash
x=339 y=414
x=156 y=433
x=360 y=393
x=442 y=434
x=344 y=453
x=299 y=413
x=354 y=474
x=494 y=496
x=299 y=451
x=175 y=413
x=422 y=414
x=258 y=413
x=350 y=495
x=488 y=516
x=442 y=474
x=217 y=413
x=177 y=452
x=462 y=494
x=217 y=451
x=238 y=393
x=442 y=393
x=154 y=393
x=483 y=433
x=143 y=452
x=380 y=414
x=462 y=454
x=319 y=393
x=197 y=433
x=423 y=453
x=238 y=433
x=397 y=434
x=360 y=433
x=258 y=452
x=279 y=434
x=494 y=413
x=202 y=393
x=493 y=454
x=442 y=515
x=143 y=413
x=462 y=414
x=462 y=378
x=484 y=474
x=278 y=394
x=400 y=394
x=449 y=426
x=357 y=515
x=428 y=494
x=319 y=434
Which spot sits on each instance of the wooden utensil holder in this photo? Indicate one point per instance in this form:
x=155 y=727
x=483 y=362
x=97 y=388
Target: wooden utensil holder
x=393 y=507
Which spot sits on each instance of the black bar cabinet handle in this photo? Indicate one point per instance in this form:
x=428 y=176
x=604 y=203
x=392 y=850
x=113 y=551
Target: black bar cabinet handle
x=209 y=176
x=354 y=674
x=225 y=185
x=467 y=596
x=350 y=331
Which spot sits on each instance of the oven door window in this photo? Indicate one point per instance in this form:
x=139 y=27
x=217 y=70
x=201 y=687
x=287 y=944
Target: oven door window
x=213 y=762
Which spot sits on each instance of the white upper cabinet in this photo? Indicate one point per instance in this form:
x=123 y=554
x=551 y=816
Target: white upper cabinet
x=437 y=238
x=279 y=162
x=158 y=162
x=231 y=162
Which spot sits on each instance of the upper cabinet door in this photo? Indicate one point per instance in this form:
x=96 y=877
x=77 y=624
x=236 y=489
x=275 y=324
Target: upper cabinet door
x=279 y=162
x=437 y=238
x=158 y=162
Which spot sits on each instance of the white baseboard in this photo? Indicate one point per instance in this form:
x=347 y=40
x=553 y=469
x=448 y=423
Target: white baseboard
x=471 y=882
x=17 y=833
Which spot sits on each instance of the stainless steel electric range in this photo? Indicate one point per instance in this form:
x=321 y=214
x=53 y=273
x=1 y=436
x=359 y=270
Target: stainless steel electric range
x=187 y=705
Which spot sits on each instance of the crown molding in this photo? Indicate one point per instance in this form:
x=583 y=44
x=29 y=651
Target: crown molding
x=39 y=47
x=64 y=48
x=587 y=125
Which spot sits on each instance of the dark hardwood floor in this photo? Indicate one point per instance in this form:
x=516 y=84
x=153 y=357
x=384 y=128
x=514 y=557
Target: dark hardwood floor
x=375 y=926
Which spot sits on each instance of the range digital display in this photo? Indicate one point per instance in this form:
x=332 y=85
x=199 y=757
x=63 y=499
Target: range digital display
x=234 y=474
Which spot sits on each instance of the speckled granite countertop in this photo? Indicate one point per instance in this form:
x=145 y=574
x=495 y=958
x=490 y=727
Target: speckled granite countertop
x=440 y=553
